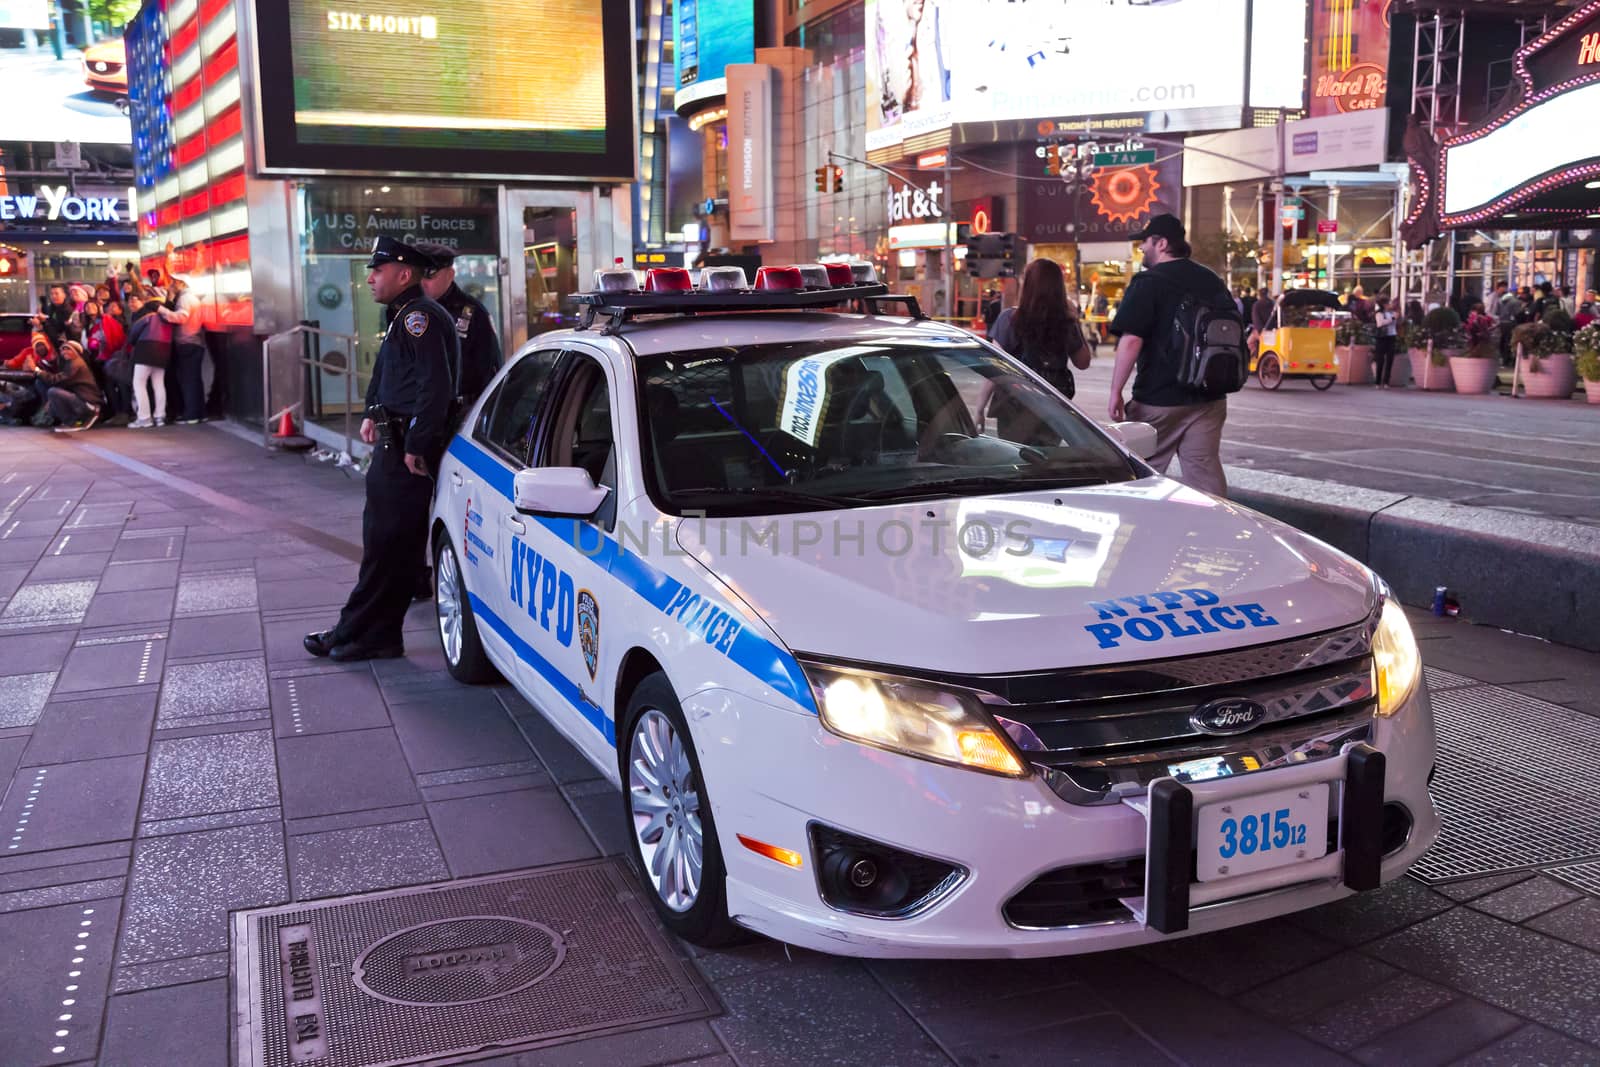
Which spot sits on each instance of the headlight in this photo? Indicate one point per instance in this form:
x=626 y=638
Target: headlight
x=910 y=716
x=1396 y=663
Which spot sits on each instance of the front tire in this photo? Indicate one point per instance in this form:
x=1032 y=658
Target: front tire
x=1269 y=372
x=672 y=836
x=464 y=657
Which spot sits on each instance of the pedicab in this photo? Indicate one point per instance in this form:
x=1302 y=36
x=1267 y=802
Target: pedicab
x=1298 y=339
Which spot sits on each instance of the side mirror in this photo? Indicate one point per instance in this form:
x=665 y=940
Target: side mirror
x=1137 y=437
x=556 y=491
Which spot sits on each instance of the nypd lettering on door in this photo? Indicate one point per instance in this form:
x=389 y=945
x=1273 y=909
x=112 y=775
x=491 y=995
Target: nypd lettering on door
x=544 y=590
x=1171 y=614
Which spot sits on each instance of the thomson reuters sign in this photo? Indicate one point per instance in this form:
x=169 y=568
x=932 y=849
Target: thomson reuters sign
x=1359 y=88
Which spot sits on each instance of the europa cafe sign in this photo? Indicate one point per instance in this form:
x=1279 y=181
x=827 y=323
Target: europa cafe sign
x=1534 y=145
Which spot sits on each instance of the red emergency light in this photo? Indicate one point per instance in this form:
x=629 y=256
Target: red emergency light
x=840 y=274
x=770 y=279
x=667 y=280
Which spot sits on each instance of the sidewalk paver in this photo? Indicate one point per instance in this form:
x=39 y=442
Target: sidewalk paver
x=169 y=753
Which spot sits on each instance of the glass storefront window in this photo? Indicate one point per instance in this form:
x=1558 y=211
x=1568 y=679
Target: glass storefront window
x=339 y=222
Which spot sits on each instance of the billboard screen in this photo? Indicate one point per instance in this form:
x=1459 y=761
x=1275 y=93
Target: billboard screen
x=471 y=88
x=75 y=89
x=710 y=34
x=1090 y=57
x=908 y=69
x=1177 y=64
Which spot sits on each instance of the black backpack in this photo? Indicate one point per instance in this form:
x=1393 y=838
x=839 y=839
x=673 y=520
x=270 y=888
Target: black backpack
x=1208 y=339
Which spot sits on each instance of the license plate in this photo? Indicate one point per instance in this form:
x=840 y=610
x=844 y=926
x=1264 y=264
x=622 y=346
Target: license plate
x=1257 y=833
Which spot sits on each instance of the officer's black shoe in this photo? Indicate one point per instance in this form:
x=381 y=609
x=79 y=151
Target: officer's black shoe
x=320 y=644
x=353 y=650
x=424 y=589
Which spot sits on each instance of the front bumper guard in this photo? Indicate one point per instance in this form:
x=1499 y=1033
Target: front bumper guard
x=1169 y=811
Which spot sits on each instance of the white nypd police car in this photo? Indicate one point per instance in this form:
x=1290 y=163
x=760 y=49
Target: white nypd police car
x=893 y=652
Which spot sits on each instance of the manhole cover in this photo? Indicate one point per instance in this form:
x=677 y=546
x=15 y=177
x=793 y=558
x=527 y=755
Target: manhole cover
x=459 y=961
x=435 y=974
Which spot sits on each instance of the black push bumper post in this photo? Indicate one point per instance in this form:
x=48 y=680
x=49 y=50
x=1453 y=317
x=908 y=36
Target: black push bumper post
x=1171 y=854
x=1361 y=817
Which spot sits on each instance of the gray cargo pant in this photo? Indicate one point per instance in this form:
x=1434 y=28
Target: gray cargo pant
x=1192 y=433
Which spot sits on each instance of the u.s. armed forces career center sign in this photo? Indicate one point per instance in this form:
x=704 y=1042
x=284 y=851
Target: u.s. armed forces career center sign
x=468 y=230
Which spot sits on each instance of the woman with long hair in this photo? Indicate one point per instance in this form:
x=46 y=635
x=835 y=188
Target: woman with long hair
x=1044 y=334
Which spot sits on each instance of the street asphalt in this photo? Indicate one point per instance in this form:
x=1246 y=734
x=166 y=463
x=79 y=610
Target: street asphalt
x=169 y=755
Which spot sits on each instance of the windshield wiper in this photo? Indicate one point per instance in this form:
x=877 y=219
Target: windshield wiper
x=944 y=486
x=771 y=493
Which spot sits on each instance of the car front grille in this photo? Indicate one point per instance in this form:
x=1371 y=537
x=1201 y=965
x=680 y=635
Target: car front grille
x=1117 y=729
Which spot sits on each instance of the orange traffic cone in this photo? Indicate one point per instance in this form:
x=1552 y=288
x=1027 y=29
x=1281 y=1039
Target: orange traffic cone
x=285 y=425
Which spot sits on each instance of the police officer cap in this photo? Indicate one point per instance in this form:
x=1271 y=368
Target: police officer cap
x=388 y=250
x=440 y=257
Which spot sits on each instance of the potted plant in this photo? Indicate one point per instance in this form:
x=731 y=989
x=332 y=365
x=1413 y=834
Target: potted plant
x=1352 y=340
x=1586 y=343
x=1547 y=364
x=1441 y=330
x=1475 y=369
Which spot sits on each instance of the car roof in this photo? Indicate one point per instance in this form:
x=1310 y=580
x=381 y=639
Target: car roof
x=687 y=333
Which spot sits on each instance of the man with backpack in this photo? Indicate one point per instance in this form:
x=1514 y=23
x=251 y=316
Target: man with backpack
x=1180 y=327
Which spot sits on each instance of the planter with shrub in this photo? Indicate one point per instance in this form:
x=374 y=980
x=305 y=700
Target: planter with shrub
x=1352 y=352
x=1441 y=327
x=1474 y=370
x=1586 y=343
x=1546 y=365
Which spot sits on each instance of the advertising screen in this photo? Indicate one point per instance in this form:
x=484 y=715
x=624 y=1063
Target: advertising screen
x=1092 y=57
x=80 y=95
x=710 y=34
x=908 y=68
x=474 y=87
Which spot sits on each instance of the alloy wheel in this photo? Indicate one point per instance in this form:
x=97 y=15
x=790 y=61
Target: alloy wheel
x=665 y=800
x=447 y=598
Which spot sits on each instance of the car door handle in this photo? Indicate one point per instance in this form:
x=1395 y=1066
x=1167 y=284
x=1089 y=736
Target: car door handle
x=456 y=479
x=515 y=525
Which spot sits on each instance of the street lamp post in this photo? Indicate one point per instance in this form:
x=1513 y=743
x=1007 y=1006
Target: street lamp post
x=1075 y=174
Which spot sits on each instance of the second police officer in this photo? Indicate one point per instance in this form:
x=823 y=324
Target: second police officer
x=480 y=349
x=408 y=405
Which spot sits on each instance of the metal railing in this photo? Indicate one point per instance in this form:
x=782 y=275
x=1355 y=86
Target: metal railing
x=312 y=358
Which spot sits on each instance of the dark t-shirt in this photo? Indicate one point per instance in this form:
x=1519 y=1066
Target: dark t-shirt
x=1149 y=306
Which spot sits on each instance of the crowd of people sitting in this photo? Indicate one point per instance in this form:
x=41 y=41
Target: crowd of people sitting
x=100 y=354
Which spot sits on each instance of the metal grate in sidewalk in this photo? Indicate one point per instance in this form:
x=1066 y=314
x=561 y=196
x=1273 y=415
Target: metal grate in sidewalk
x=1518 y=784
x=1584 y=876
x=438 y=974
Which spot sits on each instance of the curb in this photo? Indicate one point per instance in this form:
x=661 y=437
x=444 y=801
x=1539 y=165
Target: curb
x=1513 y=571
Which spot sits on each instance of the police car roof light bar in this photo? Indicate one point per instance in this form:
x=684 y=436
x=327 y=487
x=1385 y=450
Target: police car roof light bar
x=617 y=307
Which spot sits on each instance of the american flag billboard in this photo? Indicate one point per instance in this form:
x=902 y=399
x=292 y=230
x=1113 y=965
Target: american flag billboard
x=189 y=150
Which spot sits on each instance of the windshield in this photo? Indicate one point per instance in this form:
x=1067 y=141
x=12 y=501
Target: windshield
x=807 y=426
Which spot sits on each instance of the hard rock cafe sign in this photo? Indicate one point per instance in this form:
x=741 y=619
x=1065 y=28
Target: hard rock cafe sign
x=1358 y=88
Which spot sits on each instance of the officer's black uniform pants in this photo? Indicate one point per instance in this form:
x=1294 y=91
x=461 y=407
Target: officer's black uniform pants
x=394 y=533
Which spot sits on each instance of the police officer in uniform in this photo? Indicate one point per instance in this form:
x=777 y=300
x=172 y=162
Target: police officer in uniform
x=480 y=349
x=408 y=405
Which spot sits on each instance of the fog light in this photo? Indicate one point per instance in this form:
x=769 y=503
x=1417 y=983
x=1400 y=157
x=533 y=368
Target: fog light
x=866 y=877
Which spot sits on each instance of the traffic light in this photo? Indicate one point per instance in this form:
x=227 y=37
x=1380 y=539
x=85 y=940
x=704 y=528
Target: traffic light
x=838 y=179
x=1052 y=160
x=822 y=179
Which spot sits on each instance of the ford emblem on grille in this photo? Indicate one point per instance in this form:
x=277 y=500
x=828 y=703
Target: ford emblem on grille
x=1230 y=715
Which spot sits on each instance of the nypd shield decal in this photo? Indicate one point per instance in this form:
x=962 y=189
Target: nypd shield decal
x=589 y=631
